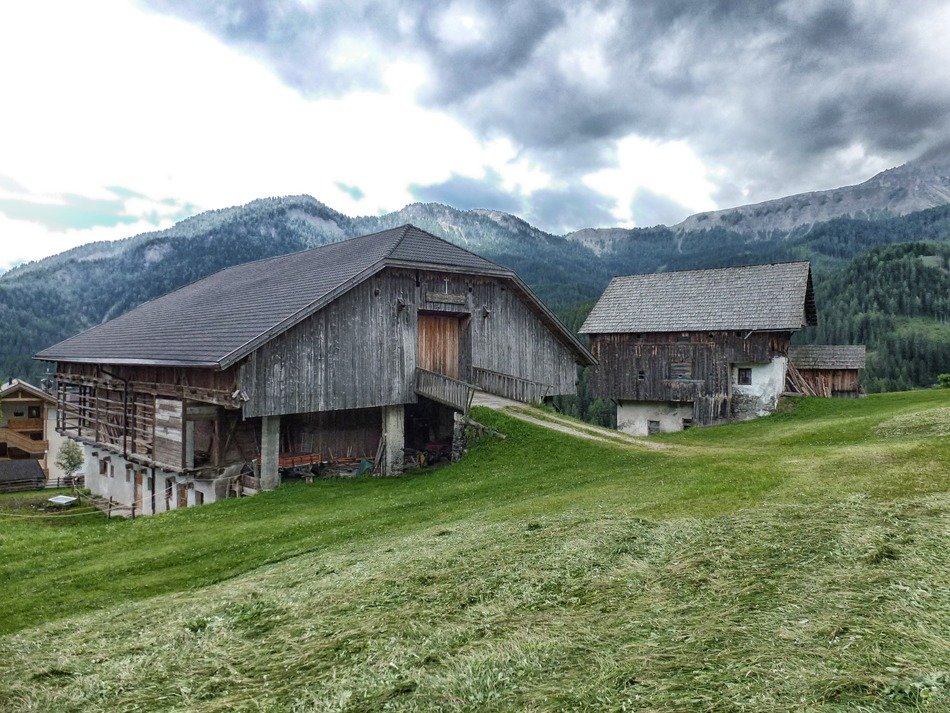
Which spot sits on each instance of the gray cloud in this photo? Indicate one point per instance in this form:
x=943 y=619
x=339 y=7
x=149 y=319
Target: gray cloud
x=466 y=193
x=774 y=93
x=651 y=208
x=560 y=210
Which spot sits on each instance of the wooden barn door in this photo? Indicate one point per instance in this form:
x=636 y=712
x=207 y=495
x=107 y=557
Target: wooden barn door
x=182 y=496
x=438 y=344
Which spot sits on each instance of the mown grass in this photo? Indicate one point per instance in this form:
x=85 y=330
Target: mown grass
x=790 y=563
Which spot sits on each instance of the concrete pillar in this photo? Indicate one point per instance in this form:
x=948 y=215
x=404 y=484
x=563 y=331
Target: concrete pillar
x=270 y=451
x=394 y=436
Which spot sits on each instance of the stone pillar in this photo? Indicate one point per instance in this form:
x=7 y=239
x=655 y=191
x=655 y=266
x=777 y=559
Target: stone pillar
x=458 y=436
x=394 y=436
x=270 y=451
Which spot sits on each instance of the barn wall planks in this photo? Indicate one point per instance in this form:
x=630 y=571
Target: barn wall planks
x=679 y=367
x=360 y=351
x=333 y=434
x=172 y=376
x=357 y=352
x=833 y=382
x=169 y=441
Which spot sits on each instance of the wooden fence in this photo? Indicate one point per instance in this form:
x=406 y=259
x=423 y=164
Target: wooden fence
x=444 y=390
x=511 y=387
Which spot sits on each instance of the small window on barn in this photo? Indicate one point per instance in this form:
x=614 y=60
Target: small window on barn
x=103 y=467
x=682 y=337
x=744 y=376
x=687 y=423
x=641 y=375
x=653 y=427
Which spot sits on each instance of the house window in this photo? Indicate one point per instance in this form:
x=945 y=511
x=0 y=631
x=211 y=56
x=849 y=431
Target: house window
x=745 y=376
x=103 y=467
x=641 y=375
x=653 y=427
x=33 y=412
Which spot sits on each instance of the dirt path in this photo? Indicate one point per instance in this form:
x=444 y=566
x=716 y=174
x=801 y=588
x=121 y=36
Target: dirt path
x=561 y=424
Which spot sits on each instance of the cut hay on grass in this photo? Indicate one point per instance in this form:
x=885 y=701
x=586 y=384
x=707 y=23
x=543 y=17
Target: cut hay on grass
x=777 y=608
x=798 y=562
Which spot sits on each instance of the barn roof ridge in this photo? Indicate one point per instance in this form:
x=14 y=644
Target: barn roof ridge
x=769 y=296
x=828 y=356
x=219 y=319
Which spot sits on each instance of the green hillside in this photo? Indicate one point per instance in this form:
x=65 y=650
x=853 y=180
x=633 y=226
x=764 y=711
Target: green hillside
x=797 y=562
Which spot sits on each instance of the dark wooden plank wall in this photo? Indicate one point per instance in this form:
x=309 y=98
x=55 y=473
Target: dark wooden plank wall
x=695 y=368
x=172 y=376
x=360 y=351
x=332 y=434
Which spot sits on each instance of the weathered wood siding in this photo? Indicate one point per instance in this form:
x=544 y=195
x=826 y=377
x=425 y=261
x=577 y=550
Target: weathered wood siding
x=169 y=439
x=360 y=351
x=668 y=366
x=830 y=382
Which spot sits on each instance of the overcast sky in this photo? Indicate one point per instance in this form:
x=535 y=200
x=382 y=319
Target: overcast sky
x=118 y=117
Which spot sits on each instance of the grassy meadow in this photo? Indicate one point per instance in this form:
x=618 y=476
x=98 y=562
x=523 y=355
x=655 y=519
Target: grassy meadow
x=797 y=562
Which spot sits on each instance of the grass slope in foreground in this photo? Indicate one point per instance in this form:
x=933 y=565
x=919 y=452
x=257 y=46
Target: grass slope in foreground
x=795 y=562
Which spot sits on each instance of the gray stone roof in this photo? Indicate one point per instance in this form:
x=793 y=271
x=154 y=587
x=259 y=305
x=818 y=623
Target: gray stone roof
x=222 y=318
x=777 y=296
x=828 y=356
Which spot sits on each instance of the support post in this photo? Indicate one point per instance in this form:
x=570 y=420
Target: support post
x=395 y=439
x=458 y=436
x=270 y=451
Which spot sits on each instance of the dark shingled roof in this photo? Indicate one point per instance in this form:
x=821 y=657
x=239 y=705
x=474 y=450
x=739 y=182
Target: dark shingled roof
x=13 y=471
x=751 y=297
x=222 y=318
x=828 y=356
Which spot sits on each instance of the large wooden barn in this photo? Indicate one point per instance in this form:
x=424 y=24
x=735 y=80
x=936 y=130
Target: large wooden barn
x=697 y=346
x=350 y=351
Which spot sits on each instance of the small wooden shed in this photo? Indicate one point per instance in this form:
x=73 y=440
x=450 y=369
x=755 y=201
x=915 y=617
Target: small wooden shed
x=826 y=369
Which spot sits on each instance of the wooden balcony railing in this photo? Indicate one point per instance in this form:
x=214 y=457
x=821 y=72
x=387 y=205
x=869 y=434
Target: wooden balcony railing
x=25 y=424
x=511 y=387
x=444 y=390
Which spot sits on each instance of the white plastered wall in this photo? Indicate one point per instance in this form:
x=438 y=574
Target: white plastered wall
x=761 y=396
x=120 y=485
x=634 y=417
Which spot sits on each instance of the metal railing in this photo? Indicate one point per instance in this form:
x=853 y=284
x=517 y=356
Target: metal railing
x=509 y=386
x=444 y=390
